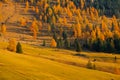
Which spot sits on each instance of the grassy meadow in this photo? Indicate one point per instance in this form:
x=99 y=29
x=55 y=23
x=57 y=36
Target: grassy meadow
x=47 y=63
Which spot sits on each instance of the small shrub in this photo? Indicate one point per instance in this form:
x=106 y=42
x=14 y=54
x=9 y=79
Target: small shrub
x=19 y=48
x=89 y=65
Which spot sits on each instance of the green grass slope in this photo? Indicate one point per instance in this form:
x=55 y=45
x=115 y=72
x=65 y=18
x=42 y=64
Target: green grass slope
x=26 y=67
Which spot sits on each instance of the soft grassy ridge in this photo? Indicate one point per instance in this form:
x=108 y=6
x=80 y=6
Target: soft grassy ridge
x=105 y=62
x=15 y=66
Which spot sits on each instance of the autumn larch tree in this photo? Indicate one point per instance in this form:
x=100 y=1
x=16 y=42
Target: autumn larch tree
x=12 y=44
x=23 y=22
x=3 y=29
x=34 y=29
x=53 y=43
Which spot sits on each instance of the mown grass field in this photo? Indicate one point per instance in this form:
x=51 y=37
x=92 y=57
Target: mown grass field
x=33 y=65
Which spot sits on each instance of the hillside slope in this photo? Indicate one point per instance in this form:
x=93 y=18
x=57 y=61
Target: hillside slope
x=26 y=67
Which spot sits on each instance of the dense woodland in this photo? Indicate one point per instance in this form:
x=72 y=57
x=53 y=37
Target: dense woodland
x=76 y=24
x=105 y=7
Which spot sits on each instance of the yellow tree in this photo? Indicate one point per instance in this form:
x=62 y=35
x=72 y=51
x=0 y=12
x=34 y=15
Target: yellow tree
x=98 y=31
x=49 y=28
x=25 y=9
x=58 y=1
x=1 y=4
x=50 y=12
x=108 y=34
x=92 y=16
x=34 y=29
x=60 y=20
x=33 y=8
x=78 y=29
x=3 y=29
x=53 y=19
x=23 y=22
x=40 y=17
x=69 y=13
x=82 y=4
x=64 y=20
x=104 y=26
x=53 y=43
x=27 y=4
x=37 y=9
x=93 y=35
x=34 y=34
x=115 y=24
x=45 y=18
x=40 y=25
x=96 y=14
x=90 y=27
x=12 y=44
x=1 y=17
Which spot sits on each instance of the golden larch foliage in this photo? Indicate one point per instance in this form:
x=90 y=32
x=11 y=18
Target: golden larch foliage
x=49 y=28
x=69 y=13
x=53 y=19
x=64 y=20
x=25 y=10
x=23 y=22
x=12 y=44
x=37 y=9
x=93 y=35
x=82 y=4
x=27 y=4
x=3 y=29
x=34 y=34
x=40 y=17
x=78 y=29
x=40 y=25
x=33 y=8
x=1 y=17
x=50 y=12
x=53 y=43
x=1 y=4
x=104 y=26
x=34 y=29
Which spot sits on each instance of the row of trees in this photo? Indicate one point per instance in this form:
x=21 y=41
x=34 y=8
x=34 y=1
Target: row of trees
x=108 y=45
x=64 y=42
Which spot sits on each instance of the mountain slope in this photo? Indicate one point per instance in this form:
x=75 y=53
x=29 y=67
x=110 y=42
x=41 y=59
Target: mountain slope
x=26 y=67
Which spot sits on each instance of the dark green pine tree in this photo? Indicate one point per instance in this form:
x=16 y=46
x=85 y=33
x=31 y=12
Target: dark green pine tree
x=99 y=46
x=60 y=43
x=44 y=43
x=64 y=34
x=109 y=46
x=55 y=37
x=19 y=48
x=77 y=45
x=67 y=44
